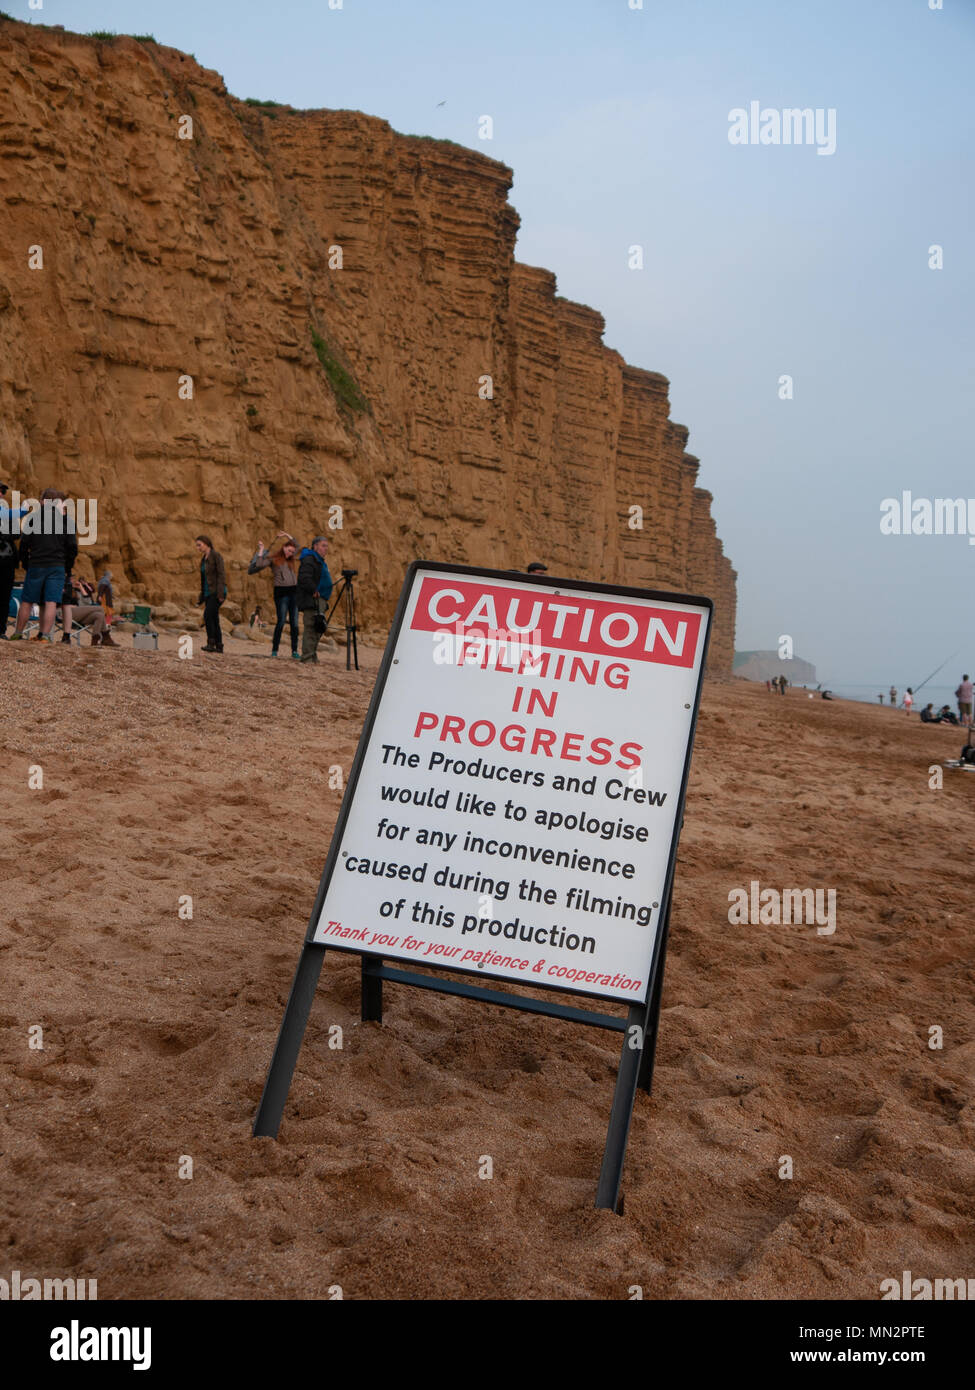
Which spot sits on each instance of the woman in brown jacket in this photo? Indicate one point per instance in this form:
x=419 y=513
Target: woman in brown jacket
x=282 y=560
x=213 y=591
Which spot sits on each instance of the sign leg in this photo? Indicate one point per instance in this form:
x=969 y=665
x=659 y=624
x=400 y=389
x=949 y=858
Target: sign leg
x=372 y=991
x=286 y=1049
x=645 y=1079
x=635 y=1070
x=611 y=1173
x=653 y=1017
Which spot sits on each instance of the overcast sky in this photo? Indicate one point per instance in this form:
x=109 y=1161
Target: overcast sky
x=759 y=260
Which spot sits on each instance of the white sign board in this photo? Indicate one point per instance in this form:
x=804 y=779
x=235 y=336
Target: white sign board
x=513 y=808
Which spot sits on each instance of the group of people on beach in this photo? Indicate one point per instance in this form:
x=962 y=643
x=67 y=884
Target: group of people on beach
x=301 y=582
x=942 y=716
x=300 y=579
x=907 y=703
x=964 y=696
x=48 y=558
x=48 y=554
x=945 y=715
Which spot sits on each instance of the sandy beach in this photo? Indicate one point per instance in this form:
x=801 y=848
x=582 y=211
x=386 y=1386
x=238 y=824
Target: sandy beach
x=210 y=778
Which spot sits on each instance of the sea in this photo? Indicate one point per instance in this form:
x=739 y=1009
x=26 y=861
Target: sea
x=867 y=694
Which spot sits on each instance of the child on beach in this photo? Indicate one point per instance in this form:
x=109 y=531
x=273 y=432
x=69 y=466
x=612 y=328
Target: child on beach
x=908 y=700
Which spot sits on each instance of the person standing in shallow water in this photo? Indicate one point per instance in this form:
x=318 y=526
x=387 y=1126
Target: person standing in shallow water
x=282 y=560
x=213 y=591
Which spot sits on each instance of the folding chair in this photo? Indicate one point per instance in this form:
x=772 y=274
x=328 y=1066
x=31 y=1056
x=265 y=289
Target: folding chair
x=33 y=625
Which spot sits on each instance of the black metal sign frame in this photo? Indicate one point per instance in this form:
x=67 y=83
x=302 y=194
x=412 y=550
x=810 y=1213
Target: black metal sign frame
x=639 y=1025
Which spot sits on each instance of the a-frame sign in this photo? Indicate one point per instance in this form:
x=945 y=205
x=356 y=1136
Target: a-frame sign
x=513 y=810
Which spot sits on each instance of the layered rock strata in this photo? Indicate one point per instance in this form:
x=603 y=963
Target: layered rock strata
x=303 y=320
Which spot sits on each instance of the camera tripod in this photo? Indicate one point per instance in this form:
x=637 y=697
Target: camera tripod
x=347 y=588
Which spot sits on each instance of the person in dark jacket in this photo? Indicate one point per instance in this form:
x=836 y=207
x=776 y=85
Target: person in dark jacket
x=213 y=591
x=48 y=551
x=314 y=588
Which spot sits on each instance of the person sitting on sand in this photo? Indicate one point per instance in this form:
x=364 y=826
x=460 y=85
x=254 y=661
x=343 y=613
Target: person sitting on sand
x=928 y=715
x=947 y=716
x=86 y=611
x=282 y=560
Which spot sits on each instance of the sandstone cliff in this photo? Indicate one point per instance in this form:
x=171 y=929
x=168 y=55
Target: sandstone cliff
x=314 y=385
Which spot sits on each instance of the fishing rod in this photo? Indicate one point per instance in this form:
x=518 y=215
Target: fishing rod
x=935 y=672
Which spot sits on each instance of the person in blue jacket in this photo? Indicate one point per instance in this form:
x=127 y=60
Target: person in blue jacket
x=314 y=588
x=9 y=533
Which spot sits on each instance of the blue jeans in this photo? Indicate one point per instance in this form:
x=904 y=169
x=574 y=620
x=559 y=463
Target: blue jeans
x=286 y=606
